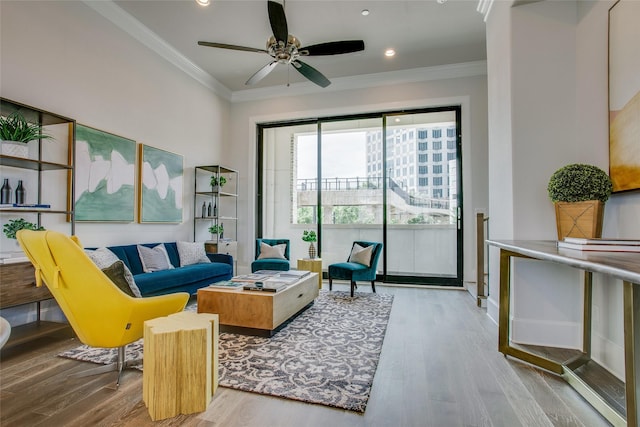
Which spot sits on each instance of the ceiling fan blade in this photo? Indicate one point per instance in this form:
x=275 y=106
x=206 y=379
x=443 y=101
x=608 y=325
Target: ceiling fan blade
x=232 y=47
x=311 y=73
x=262 y=73
x=278 y=21
x=332 y=48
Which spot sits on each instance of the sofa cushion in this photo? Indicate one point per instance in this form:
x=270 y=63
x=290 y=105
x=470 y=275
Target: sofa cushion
x=191 y=253
x=154 y=259
x=154 y=283
x=275 y=251
x=361 y=255
x=104 y=257
x=270 y=264
x=116 y=273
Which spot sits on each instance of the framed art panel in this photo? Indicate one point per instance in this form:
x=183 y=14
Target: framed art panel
x=624 y=95
x=104 y=176
x=161 y=181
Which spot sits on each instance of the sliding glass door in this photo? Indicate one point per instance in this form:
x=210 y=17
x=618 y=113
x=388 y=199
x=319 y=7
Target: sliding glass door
x=423 y=234
x=388 y=177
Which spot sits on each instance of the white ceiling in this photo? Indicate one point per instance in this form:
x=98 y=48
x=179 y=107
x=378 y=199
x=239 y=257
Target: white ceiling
x=424 y=33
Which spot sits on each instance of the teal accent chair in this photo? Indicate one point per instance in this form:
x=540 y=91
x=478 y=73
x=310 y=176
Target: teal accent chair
x=271 y=263
x=353 y=271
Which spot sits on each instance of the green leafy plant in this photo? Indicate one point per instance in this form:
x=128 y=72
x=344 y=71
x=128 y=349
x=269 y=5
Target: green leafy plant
x=216 y=229
x=309 y=236
x=579 y=183
x=215 y=180
x=15 y=127
x=14 y=225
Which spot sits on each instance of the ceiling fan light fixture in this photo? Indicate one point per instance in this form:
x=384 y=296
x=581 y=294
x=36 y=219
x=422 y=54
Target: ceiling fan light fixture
x=283 y=48
x=389 y=53
x=203 y=2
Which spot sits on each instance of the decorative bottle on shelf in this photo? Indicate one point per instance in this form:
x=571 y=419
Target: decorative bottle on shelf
x=204 y=209
x=20 y=193
x=221 y=231
x=209 y=210
x=6 y=192
x=215 y=209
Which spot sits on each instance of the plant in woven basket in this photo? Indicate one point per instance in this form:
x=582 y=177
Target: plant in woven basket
x=579 y=192
x=579 y=183
x=14 y=225
x=15 y=127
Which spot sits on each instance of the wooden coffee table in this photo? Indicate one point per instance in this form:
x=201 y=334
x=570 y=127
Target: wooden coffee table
x=258 y=312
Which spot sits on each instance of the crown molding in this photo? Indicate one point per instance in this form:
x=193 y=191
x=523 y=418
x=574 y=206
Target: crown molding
x=484 y=7
x=440 y=72
x=127 y=23
x=137 y=30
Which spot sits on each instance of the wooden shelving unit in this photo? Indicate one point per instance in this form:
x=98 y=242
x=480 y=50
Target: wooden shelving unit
x=224 y=211
x=17 y=284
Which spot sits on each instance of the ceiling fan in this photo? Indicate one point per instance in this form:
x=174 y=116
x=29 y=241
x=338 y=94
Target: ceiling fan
x=285 y=48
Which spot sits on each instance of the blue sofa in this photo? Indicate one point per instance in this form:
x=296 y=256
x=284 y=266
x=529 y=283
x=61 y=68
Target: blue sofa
x=179 y=279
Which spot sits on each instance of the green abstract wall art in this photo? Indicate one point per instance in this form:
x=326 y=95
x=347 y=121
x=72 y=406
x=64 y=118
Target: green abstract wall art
x=104 y=176
x=161 y=185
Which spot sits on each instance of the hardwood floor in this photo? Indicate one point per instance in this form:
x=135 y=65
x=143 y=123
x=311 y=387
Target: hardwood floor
x=439 y=367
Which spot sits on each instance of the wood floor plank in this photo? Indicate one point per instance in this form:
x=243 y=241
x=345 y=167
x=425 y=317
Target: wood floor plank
x=439 y=366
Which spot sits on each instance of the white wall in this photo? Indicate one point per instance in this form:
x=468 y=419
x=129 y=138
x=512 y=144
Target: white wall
x=470 y=92
x=552 y=96
x=63 y=57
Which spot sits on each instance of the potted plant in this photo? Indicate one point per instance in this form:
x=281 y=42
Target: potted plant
x=16 y=132
x=579 y=192
x=217 y=230
x=14 y=225
x=217 y=181
x=310 y=236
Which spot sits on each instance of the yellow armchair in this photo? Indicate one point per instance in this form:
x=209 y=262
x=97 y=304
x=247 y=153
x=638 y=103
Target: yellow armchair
x=97 y=310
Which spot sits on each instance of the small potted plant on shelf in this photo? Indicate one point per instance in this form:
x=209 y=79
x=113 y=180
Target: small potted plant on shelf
x=14 y=225
x=310 y=236
x=579 y=192
x=217 y=230
x=217 y=181
x=16 y=132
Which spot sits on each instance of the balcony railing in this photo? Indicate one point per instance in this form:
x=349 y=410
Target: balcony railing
x=371 y=183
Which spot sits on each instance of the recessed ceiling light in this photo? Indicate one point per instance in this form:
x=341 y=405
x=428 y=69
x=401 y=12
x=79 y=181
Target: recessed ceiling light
x=441 y=1
x=397 y=120
x=389 y=52
x=203 y=2
x=365 y=12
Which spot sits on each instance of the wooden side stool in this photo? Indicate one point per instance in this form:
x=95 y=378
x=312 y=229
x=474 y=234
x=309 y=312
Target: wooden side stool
x=180 y=372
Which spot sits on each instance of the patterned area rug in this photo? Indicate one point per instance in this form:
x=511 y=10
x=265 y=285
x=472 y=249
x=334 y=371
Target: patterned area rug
x=327 y=355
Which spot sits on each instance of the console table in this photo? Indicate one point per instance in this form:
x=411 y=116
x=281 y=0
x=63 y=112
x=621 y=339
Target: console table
x=621 y=265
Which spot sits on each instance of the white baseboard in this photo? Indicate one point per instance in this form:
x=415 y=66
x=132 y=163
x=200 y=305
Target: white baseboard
x=493 y=310
x=608 y=354
x=547 y=333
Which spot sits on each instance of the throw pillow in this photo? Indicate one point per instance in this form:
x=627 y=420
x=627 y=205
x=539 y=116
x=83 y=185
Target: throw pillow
x=275 y=251
x=154 y=259
x=361 y=255
x=191 y=253
x=103 y=258
x=116 y=273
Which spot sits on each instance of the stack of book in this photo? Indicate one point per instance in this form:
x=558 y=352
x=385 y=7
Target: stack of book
x=602 y=245
x=8 y=206
x=269 y=280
